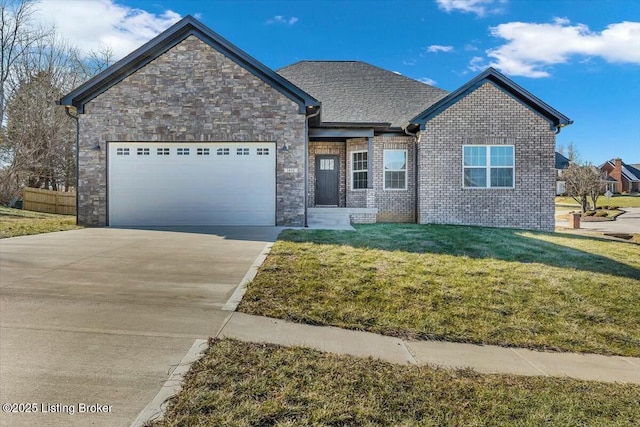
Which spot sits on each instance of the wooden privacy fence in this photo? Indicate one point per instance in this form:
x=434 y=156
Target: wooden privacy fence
x=57 y=202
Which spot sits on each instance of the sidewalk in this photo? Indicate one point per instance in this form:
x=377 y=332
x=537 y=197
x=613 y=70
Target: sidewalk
x=482 y=358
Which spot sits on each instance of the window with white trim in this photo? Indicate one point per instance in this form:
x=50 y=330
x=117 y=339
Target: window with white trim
x=122 y=151
x=488 y=166
x=202 y=152
x=162 y=152
x=262 y=151
x=222 y=151
x=395 y=169
x=182 y=151
x=142 y=152
x=359 y=170
x=242 y=151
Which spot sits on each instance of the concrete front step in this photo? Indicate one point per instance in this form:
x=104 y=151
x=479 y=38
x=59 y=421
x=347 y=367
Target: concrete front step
x=329 y=218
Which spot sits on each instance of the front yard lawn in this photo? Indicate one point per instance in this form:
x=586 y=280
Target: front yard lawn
x=506 y=287
x=243 y=384
x=16 y=222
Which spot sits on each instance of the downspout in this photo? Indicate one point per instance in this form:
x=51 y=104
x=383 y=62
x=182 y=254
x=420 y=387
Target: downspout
x=67 y=110
x=306 y=163
x=415 y=172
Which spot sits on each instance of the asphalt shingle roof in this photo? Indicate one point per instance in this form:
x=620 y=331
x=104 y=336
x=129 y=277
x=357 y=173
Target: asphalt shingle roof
x=357 y=92
x=629 y=171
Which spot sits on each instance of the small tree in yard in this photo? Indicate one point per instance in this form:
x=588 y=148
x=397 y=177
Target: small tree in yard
x=583 y=182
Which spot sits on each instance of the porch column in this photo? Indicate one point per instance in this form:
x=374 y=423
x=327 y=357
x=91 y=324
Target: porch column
x=370 y=162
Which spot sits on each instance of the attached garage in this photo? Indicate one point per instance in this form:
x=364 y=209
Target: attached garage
x=194 y=184
x=189 y=130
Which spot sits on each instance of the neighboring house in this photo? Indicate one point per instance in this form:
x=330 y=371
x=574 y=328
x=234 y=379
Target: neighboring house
x=191 y=130
x=561 y=164
x=625 y=176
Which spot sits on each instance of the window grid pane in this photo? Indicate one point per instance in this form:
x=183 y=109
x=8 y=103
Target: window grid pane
x=475 y=177
x=360 y=180
x=475 y=156
x=502 y=156
x=501 y=177
x=394 y=180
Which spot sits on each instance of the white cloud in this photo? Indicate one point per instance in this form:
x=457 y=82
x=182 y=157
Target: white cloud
x=94 y=24
x=479 y=7
x=427 y=81
x=409 y=62
x=279 y=19
x=532 y=48
x=439 y=48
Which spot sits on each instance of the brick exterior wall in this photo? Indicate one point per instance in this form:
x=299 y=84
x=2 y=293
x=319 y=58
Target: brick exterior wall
x=355 y=198
x=487 y=116
x=328 y=148
x=394 y=205
x=192 y=93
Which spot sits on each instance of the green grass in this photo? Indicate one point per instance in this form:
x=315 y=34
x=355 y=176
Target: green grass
x=16 y=222
x=505 y=287
x=621 y=201
x=241 y=384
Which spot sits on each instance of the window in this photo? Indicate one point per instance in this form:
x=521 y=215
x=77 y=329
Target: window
x=122 y=151
x=162 y=152
x=327 y=164
x=222 y=151
x=142 y=151
x=395 y=169
x=242 y=151
x=488 y=166
x=359 y=170
x=202 y=152
x=182 y=151
x=262 y=151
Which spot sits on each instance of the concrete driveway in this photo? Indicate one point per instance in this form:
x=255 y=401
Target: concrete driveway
x=102 y=316
x=629 y=222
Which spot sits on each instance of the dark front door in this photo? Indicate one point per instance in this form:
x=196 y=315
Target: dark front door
x=327 y=180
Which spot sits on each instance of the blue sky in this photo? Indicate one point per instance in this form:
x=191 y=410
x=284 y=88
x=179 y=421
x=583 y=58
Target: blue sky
x=581 y=56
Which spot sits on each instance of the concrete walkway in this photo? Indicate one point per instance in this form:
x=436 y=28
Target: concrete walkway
x=482 y=358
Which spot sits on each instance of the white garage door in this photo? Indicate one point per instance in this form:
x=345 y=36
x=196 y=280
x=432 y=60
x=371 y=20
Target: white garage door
x=164 y=184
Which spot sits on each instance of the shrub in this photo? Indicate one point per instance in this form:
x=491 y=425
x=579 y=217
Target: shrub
x=602 y=213
x=589 y=213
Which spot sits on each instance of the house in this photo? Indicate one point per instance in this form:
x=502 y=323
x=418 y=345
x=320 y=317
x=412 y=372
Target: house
x=626 y=176
x=191 y=130
x=561 y=164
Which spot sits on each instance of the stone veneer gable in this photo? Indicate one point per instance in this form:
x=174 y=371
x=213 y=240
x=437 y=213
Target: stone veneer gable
x=192 y=92
x=487 y=115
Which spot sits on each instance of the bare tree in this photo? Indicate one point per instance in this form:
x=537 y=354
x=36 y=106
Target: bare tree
x=18 y=33
x=572 y=153
x=37 y=147
x=583 y=182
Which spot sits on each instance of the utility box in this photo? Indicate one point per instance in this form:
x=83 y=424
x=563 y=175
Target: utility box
x=574 y=220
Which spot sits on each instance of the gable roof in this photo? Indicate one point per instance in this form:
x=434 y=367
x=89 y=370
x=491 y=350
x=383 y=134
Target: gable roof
x=169 y=38
x=561 y=161
x=357 y=92
x=556 y=118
